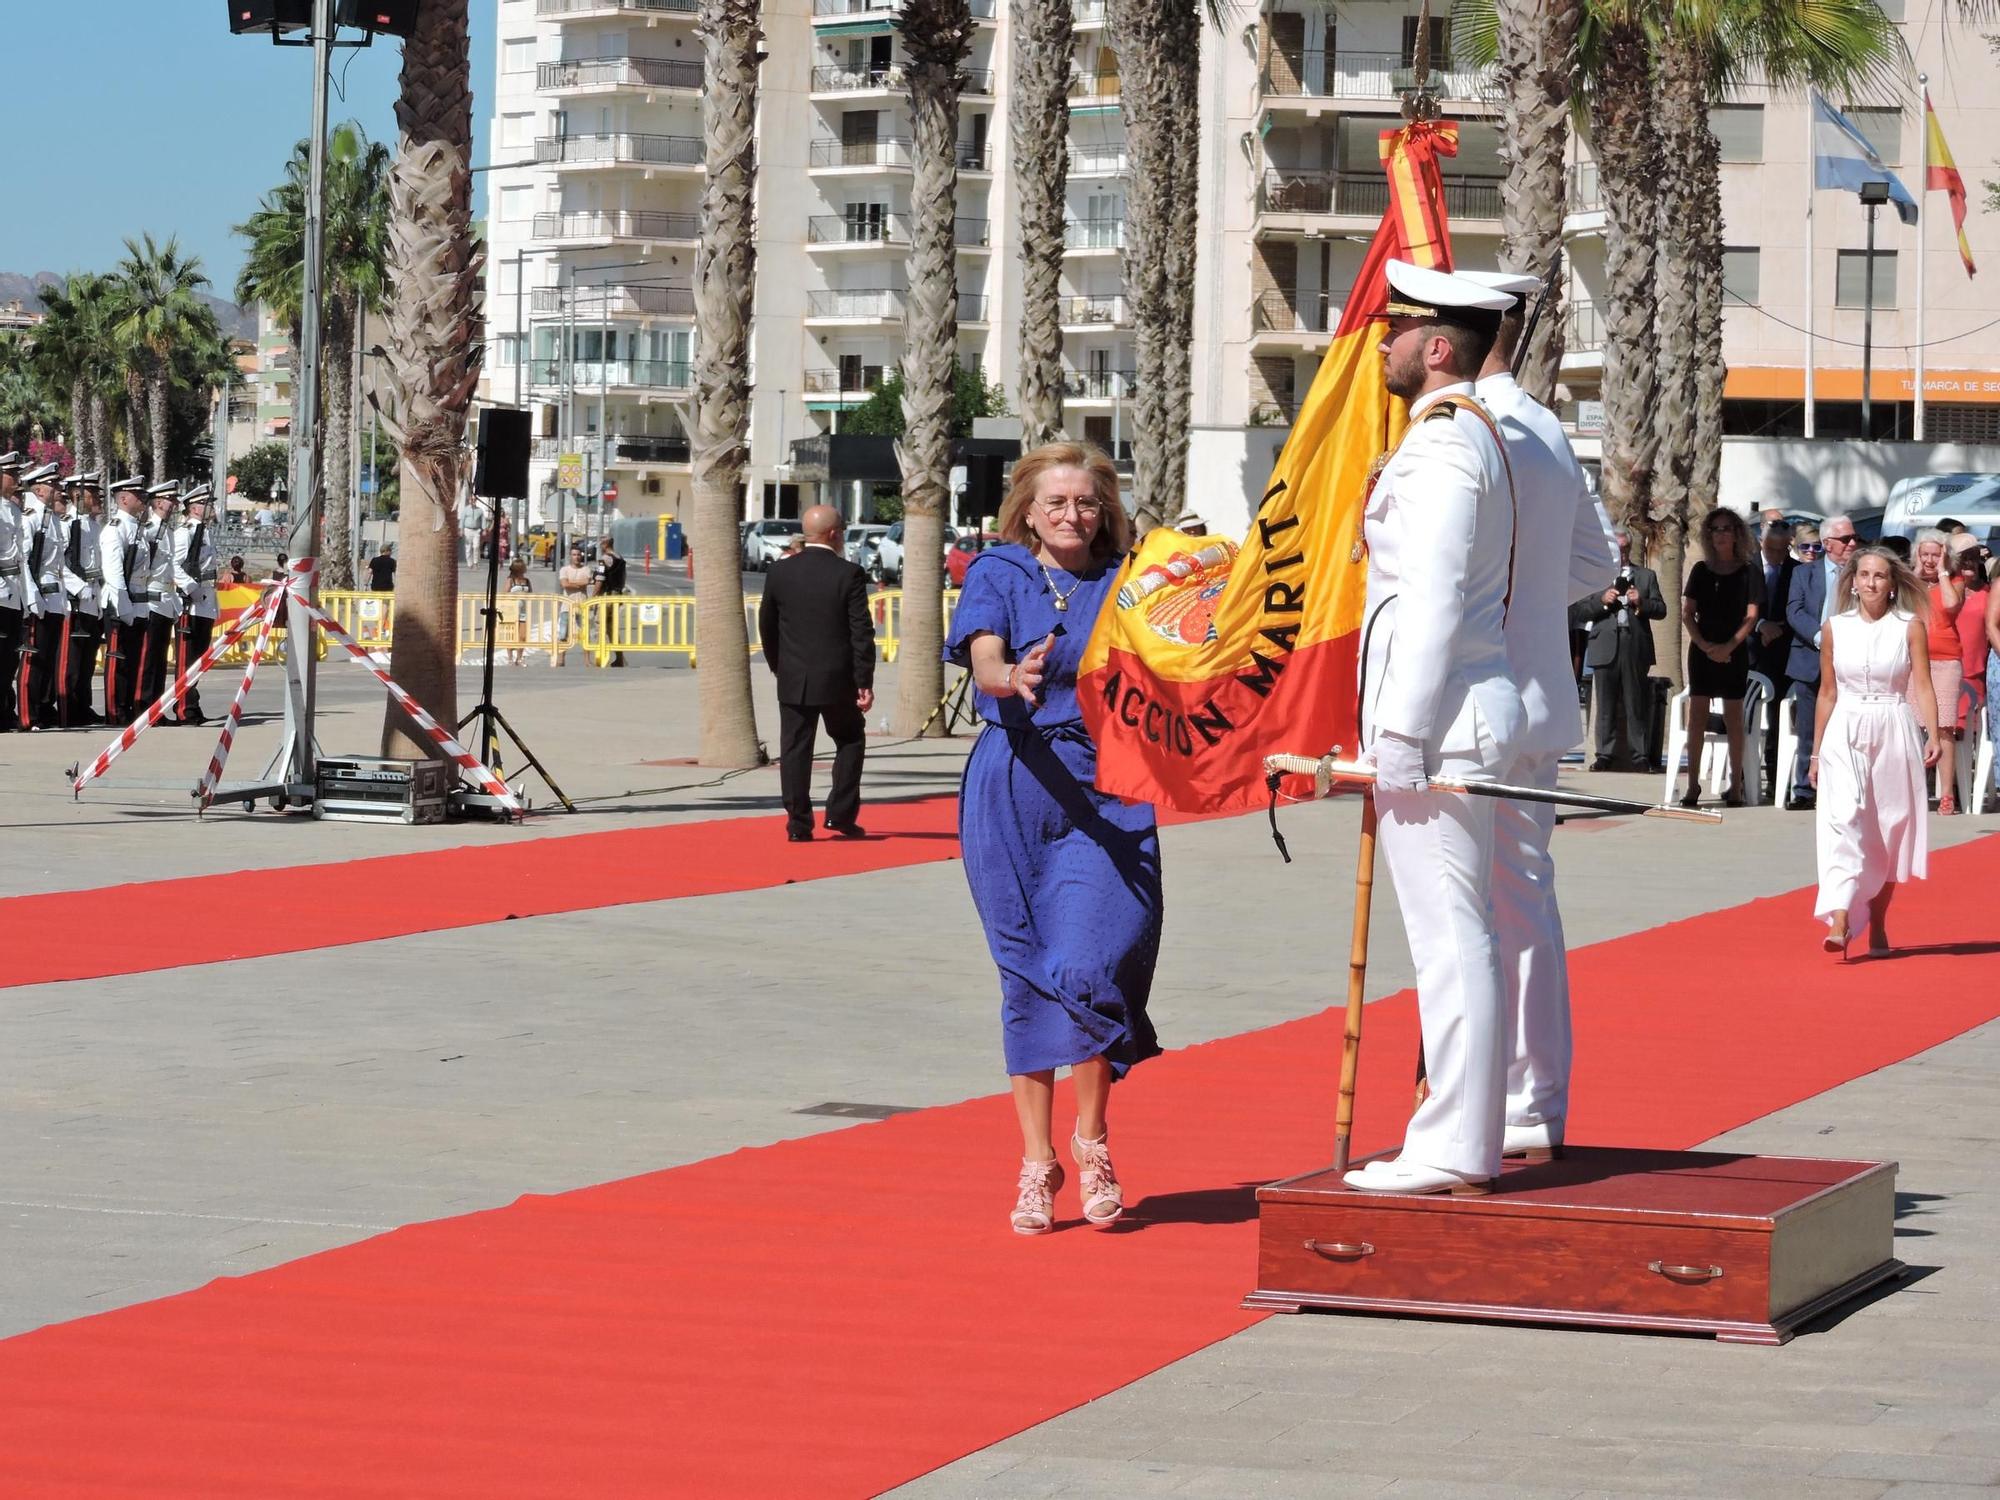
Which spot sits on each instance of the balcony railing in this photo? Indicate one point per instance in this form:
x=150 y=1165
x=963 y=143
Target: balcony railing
x=872 y=302
x=1290 y=312
x=1583 y=328
x=1278 y=412
x=884 y=151
x=623 y=147
x=1093 y=86
x=863 y=382
x=1094 y=234
x=982 y=10
x=1366 y=194
x=647 y=374
x=1110 y=311
x=1088 y=12
x=634 y=449
x=617 y=224
x=1099 y=161
x=628 y=72
x=971 y=307
x=619 y=299
x=1314 y=73
x=1099 y=385
x=568 y=7
x=1581 y=193
x=891 y=229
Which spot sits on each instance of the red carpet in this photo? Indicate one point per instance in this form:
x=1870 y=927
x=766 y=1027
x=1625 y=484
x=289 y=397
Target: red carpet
x=833 y=1316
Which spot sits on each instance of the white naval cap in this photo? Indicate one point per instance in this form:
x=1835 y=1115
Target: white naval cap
x=130 y=482
x=1189 y=517
x=43 y=474
x=166 y=489
x=1417 y=292
x=12 y=461
x=1513 y=283
x=91 y=481
x=199 y=495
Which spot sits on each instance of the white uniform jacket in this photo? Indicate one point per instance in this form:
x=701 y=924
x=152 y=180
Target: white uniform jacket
x=159 y=553
x=195 y=569
x=15 y=592
x=1566 y=552
x=45 y=560
x=83 y=563
x=125 y=568
x=1440 y=528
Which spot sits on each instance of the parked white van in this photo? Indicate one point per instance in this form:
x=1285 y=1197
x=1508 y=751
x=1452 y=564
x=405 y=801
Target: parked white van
x=1930 y=498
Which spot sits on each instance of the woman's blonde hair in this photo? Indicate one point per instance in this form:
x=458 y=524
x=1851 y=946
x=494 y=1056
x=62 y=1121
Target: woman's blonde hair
x=1906 y=591
x=1745 y=552
x=1114 y=534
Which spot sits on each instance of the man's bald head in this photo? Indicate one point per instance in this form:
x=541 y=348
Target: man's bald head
x=821 y=524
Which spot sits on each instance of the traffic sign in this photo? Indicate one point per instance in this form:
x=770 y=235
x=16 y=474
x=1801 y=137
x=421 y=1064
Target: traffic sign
x=569 y=471
x=610 y=493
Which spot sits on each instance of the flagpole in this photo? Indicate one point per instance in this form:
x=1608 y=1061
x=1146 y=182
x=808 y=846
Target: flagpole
x=1811 y=170
x=1923 y=192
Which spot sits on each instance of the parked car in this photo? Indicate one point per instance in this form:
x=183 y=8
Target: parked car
x=1973 y=499
x=888 y=564
x=764 y=543
x=964 y=550
x=859 y=540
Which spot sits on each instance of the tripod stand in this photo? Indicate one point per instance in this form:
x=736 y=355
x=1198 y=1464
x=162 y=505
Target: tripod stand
x=491 y=721
x=956 y=704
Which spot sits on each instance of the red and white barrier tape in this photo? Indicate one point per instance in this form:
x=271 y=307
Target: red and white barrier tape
x=205 y=792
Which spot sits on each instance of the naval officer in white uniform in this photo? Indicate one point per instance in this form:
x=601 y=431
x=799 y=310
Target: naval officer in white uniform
x=1439 y=697
x=1568 y=552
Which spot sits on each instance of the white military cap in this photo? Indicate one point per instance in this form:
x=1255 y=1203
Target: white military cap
x=130 y=482
x=12 y=460
x=197 y=496
x=43 y=474
x=1513 y=283
x=1415 y=292
x=91 y=481
x=166 y=489
x=1189 y=517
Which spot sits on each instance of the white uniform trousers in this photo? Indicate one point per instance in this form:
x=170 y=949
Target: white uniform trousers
x=1439 y=849
x=1534 y=964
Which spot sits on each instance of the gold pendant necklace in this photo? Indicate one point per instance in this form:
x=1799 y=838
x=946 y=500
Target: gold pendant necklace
x=1062 y=599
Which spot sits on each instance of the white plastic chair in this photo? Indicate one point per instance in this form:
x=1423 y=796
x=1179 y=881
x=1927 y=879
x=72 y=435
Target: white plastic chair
x=1975 y=760
x=1714 y=773
x=1788 y=747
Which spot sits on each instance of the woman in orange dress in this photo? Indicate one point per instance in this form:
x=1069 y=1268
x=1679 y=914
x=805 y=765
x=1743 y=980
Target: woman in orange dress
x=1945 y=589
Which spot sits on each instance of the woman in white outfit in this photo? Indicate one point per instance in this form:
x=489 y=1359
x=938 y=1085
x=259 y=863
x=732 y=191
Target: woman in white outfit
x=1871 y=748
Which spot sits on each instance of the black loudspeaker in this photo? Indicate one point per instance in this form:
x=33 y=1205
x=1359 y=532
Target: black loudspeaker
x=389 y=17
x=502 y=470
x=269 y=15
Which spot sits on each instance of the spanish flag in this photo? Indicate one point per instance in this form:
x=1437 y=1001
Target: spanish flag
x=1941 y=175
x=1212 y=654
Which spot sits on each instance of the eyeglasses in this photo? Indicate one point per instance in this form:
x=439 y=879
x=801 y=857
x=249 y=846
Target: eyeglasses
x=1721 y=528
x=1842 y=541
x=1084 y=509
x=1810 y=549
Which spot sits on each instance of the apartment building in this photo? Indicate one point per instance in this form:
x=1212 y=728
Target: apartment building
x=594 y=219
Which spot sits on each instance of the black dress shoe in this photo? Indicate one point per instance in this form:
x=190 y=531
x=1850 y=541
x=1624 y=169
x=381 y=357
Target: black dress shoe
x=848 y=830
x=1602 y=763
x=799 y=835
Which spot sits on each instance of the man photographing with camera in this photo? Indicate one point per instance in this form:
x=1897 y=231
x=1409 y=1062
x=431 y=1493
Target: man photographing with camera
x=1620 y=656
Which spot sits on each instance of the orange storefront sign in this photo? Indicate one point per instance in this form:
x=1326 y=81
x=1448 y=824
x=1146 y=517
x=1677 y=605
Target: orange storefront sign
x=1788 y=383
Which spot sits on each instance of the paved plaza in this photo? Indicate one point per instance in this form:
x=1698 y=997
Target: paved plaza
x=168 y=1128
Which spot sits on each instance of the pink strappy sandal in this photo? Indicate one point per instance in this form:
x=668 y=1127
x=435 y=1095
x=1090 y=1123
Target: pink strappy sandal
x=1035 y=1208
x=1103 y=1198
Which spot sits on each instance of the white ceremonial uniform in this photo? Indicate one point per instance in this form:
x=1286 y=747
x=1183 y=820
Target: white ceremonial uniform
x=1567 y=552
x=83 y=566
x=125 y=570
x=44 y=543
x=194 y=576
x=15 y=590
x=1440 y=529
x=160 y=541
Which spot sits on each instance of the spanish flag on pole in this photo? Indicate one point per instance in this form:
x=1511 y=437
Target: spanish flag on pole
x=1213 y=654
x=1941 y=175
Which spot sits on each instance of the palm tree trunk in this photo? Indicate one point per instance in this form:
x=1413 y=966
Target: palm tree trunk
x=79 y=423
x=937 y=35
x=1710 y=369
x=434 y=345
x=135 y=452
x=335 y=467
x=1537 y=64
x=157 y=382
x=1159 y=48
x=1044 y=41
x=100 y=436
x=725 y=282
x=1681 y=114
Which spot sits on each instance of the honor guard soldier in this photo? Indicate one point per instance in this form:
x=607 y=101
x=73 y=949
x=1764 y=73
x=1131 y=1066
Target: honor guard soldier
x=126 y=596
x=1555 y=507
x=195 y=567
x=42 y=653
x=83 y=583
x=16 y=593
x=163 y=605
x=1438 y=696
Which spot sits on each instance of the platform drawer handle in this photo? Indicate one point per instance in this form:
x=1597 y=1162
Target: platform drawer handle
x=1685 y=1273
x=1339 y=1250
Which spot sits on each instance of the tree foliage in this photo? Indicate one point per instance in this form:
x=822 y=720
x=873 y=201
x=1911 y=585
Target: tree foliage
x=881 y=415
x=259 y=472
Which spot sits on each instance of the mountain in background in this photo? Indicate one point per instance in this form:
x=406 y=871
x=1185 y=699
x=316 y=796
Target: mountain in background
x=237 y=322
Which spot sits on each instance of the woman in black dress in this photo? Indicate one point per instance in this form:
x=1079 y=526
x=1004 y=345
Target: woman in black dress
x=1720 y=606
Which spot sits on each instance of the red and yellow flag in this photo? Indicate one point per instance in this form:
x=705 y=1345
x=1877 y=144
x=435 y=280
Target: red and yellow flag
x=1941 y=175
x=1211 y=654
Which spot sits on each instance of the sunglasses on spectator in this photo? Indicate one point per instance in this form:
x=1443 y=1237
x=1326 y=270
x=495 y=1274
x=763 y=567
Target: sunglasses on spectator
x=1810 y=549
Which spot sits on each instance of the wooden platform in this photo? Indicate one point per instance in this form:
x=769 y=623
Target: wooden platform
x=1742 y=1247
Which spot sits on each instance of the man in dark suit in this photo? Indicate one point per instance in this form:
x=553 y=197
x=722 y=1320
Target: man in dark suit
x=1807 y=605
x=1620 y=656
x=819 y=639
x=1771 y=645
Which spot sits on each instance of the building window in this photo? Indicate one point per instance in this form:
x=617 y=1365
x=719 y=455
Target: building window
x=1893 y=9
x=517 y=131
x=1440 y=38
x=506 y=351
x=1850 y=287
x=1739 y=130
x=1739 y=274
x=517 y=55
x=517 y=203
x=1883 y=129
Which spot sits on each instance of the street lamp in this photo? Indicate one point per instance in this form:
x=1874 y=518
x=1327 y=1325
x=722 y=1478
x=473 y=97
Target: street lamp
x=1874 y=193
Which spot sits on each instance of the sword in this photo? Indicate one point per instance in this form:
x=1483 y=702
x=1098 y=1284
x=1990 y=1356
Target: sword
x=1326 y=770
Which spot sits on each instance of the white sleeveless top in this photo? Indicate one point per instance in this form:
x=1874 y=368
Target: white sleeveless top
x=1871 y=658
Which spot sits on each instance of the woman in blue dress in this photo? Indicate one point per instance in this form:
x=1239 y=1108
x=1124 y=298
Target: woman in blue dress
x=1066 y=880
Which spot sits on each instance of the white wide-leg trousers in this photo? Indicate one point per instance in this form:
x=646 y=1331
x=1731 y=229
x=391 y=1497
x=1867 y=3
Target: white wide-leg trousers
x=1534 y=961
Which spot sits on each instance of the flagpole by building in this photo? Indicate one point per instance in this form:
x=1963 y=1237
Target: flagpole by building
x=1812 y=171
x=1923 y=191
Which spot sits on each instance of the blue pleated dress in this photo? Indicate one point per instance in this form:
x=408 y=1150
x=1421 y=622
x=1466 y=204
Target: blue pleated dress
x=1066 y=880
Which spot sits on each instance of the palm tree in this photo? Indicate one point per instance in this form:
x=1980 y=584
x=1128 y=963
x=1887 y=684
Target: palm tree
x=937 y=36
x=435 y=340
x=354 y=278
x=725 y=280
x=158 y=310
x=1159 y=50
x=1038 y=125
x=62 y=357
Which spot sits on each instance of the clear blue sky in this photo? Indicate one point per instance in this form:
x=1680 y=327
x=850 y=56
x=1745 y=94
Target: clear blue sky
x=131 y=115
